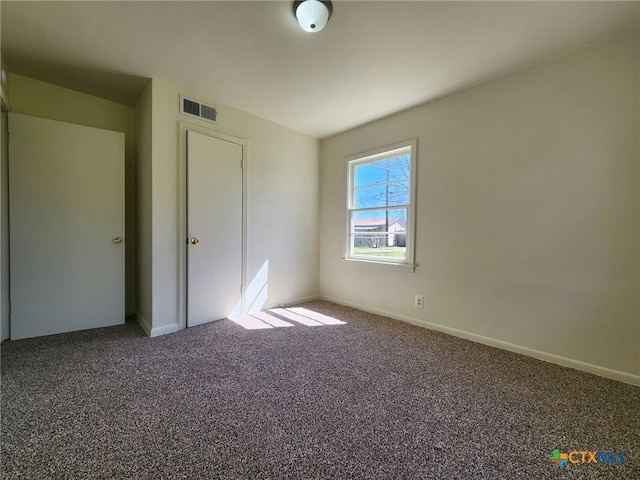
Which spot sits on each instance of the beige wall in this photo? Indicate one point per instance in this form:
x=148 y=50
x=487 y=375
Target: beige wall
x=4 y=87
x=144 y=240
x=4 y=211
x=4 y=228
x=39 y=99
x=282 y=211
x=527 y=213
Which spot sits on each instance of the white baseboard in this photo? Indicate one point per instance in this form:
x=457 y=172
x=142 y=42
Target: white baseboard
x=156 y=331
x=530 y=352
x=144 y=324
x=296 y=301
x=174 y=327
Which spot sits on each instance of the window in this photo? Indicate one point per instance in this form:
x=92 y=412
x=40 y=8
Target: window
x=381 y=205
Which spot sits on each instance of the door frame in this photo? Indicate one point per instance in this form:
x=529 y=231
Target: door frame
x=184 y=127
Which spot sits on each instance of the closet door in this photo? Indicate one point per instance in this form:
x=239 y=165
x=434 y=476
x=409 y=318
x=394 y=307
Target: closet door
x=66 y=207
x=215 y=228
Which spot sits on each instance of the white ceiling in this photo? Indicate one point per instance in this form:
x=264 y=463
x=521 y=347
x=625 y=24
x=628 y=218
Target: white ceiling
x=374 y=58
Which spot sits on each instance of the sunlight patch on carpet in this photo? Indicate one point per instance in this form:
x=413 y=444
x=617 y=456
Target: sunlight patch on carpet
x=282 y=317
x=283 y=312
x=318 y=317
x=250 y=322
x=271 y=320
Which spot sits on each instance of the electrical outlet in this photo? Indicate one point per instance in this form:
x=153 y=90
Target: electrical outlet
x=419 y=301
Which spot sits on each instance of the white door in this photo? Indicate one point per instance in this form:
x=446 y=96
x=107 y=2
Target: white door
x=214 y=228
x=66 y=207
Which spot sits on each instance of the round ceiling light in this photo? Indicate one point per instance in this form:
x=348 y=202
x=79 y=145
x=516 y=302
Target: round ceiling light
x=312 y=15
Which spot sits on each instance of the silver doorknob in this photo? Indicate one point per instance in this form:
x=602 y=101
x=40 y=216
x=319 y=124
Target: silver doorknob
x=117 y=239
x=194 y=241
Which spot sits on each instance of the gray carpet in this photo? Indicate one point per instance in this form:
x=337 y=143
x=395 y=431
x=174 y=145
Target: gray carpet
x=371 y=398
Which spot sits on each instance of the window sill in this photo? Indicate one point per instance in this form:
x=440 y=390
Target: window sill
x=401 y=267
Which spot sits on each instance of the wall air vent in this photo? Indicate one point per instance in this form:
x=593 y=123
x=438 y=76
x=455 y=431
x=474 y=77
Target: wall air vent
x=194 y=108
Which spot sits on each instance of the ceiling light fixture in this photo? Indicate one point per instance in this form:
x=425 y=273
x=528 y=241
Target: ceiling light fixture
x=312 y=15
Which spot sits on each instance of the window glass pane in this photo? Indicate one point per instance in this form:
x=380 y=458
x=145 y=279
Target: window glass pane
x=369 y=218
x=370 y=173
x=383 y=220
x=398 y=194
x=379 y=233
x=383 y=171
x=368 y=197
x=386 y=194
x=399 y=168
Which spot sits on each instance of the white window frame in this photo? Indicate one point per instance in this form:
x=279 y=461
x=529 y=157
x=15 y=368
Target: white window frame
x=390 y=151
